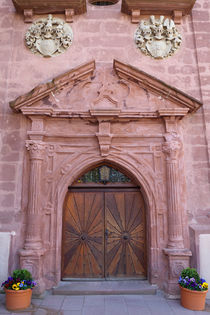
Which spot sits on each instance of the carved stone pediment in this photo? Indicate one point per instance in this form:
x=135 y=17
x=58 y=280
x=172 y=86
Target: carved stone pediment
x=128 y=91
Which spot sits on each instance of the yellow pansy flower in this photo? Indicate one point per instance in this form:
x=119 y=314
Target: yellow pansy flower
x=205 y=285
x=15 y=287
x=18 y=283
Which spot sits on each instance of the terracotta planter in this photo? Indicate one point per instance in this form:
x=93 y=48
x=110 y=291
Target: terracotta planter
x=18 y=300
x=193 y=300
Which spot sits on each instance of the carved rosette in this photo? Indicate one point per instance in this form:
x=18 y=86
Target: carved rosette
x=158 y=38
x=177 y=261
x=32 y=260
x=49 y=37
x=36 y=149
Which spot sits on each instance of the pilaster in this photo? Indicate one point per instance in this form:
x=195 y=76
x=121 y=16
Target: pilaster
x=31 y=256
x=178 y=255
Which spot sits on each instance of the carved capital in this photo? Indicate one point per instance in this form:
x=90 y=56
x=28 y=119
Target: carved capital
x=36 y=149
x=172 y=146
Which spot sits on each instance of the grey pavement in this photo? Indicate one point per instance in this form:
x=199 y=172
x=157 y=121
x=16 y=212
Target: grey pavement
x=104 y=305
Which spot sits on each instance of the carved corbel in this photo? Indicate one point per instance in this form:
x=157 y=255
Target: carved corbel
x=171 y=116
x=104 y=143
x=28 y=15
x=135 y=16
x=37 y=128
x=104 y=137
x=177 y=16
x=69 y=13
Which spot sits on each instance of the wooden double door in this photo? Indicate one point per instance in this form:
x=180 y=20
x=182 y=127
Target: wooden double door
x=104 y=234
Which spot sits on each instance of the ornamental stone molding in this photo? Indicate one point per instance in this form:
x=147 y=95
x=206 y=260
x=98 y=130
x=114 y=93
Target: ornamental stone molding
x=36 y=149
x=89 y=116
x=158 y=38
x=49 y=37
x=32 y=7
x=172 y=146
x=173 y=8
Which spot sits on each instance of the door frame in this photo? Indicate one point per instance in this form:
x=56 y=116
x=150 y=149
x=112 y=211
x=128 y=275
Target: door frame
x=117 y=187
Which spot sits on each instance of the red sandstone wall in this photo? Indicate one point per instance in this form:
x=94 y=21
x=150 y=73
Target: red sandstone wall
x=103 y=34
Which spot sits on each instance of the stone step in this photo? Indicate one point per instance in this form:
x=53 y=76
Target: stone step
x=107 y=287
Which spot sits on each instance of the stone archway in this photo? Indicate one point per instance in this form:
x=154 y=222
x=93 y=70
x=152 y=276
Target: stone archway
x=80 y=166
x=127 y=118
x=104 y=228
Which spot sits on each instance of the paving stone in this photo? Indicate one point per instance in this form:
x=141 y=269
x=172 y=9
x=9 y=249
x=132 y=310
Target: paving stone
x=94 y=310
x=3 y=309
x=36 y=302
x=159 y=307
x=73 y=303
x=54 y=302
x=72 y=313
x=138 y=310
x=114 y=299
x=94 y=300
x=116 y=308
x=134 y=300
x=104 y=305
x=41 y=312
x=21 y=313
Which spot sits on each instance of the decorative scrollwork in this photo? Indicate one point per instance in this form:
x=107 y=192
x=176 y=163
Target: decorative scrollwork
x=36 y=149
x=158 y=38
x=49 y=37
x=172 y=146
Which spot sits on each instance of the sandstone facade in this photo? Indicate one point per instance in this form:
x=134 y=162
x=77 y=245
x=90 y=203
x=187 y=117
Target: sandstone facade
x=118 y=113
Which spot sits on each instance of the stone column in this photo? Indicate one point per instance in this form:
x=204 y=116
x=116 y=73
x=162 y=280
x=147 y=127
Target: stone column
x=172 y=148
x=31 y=257
x=178 y=256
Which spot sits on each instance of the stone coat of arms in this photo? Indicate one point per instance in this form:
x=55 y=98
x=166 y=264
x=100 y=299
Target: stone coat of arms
x=158 y=38
x=49 y=37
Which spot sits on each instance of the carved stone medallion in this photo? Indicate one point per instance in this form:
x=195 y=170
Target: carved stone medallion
x=158 y=38
x=49 y=37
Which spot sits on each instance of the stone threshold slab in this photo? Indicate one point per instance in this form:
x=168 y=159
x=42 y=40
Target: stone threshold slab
x=113 y=287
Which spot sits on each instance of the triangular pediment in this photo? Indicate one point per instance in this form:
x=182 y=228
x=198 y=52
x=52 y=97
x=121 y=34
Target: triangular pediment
x=85 y=90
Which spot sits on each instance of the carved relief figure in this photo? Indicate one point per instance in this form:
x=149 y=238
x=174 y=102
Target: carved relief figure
x=49 y=37
x=158 y=38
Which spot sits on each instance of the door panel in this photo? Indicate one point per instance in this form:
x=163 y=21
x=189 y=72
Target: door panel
x=125 y=234
x=103 y=234
x=83 y=235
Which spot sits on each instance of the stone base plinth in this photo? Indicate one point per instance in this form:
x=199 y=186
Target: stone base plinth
x=178 y=259
x=32 y=260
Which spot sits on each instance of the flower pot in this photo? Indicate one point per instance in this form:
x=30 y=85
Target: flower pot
x=193 y=300
x=18 y=300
